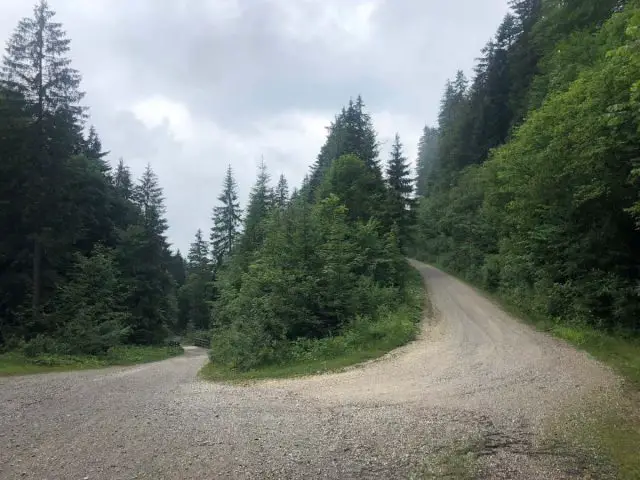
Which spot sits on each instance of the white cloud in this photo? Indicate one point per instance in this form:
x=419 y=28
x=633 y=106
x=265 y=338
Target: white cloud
x=157 y=110
x=332 y=22
x=191 y=86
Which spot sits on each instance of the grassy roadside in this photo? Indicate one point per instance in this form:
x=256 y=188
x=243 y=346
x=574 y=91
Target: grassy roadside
x=609 y=427
x=619 y=352
x=16 y=363
x=362 y=341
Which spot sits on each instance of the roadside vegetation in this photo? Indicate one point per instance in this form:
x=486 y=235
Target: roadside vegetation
x=87 y=275
x=318 y=279
x=529 y=188
x=18 y=363
x=360 y=340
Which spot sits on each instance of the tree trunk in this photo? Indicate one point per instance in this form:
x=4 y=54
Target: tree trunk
x=37 y=269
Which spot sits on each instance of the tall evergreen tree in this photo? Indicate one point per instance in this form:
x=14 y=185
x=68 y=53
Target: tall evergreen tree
x=227 y=219
x=144 y=255
x=454 y=131
x=352 y=133
x=260 y=202
x=93 y=151
x=195 y=296
x=281 y=194
x=400 y=196
x=122 y=181
x=427 y=158
x=178 y=268
x=37 y=73
x=149 y=198
x=198 y=257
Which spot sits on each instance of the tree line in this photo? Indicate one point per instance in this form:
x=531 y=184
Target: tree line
x=309 y=264
x=84 y=255
x=528 y=186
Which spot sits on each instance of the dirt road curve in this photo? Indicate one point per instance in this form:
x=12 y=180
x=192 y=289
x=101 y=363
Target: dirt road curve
x=475 y=377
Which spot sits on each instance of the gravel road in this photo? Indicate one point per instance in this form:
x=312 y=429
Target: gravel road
x=475 y=378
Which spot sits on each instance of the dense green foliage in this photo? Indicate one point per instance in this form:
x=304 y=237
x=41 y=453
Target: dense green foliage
x=308 y=267
x=533 y=188
x=84 y=258
x=363 y=338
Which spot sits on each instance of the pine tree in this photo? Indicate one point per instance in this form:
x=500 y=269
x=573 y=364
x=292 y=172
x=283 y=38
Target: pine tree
x=260 y=202
x=91 y=309
x=122 y=181
x=281 y=195
x=37 y=68
x=198 y=258
x=427 y=158
x=37 y=73
x=178 y=268
x=195 y=296
x=400 y=201
x=351 y=133
x=454 y=129
x=144 y=255
x=149 y=198
x=93 y=151
x=227 y=219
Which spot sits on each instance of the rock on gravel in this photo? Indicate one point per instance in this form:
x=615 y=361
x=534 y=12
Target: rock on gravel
x=477 y=384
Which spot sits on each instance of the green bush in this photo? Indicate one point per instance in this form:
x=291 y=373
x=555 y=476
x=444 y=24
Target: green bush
x=246 y=345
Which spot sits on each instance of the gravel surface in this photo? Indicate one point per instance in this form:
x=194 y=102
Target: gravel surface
x=476 y=378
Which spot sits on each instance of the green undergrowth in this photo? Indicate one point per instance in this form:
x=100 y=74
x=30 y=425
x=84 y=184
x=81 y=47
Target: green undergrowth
x=621 y=352
x=17 y=363
x=362 y=340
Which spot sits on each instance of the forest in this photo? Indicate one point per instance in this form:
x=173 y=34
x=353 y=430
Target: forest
x=87 y=267
x=528 y=186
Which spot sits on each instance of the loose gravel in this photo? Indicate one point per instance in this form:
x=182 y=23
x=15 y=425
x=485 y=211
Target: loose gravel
x=476 y=385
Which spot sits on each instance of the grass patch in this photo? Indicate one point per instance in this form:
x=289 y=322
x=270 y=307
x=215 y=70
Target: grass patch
x=16 y=363
x=604 y=433
x=620 y=352
x=364 y=339
x=457 y=462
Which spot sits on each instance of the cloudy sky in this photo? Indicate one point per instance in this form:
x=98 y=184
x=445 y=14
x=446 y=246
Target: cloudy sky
x=190 y=86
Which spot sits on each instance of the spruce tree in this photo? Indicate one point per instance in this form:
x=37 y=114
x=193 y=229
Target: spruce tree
x=400 y=201
x=260 y=202
x=37 y=74
x=427 y=158
x=198 y=258
x=122 y=181
x=144 y=256
x=281 y=195
x=37 y=68
x=195 y=296
x=227 y=219
x=149 y=198
x=93 y=151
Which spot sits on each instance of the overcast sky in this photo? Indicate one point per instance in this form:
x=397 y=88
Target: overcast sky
x=190 y=86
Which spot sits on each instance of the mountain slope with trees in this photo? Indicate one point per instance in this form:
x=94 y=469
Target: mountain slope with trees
x=530 y=187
